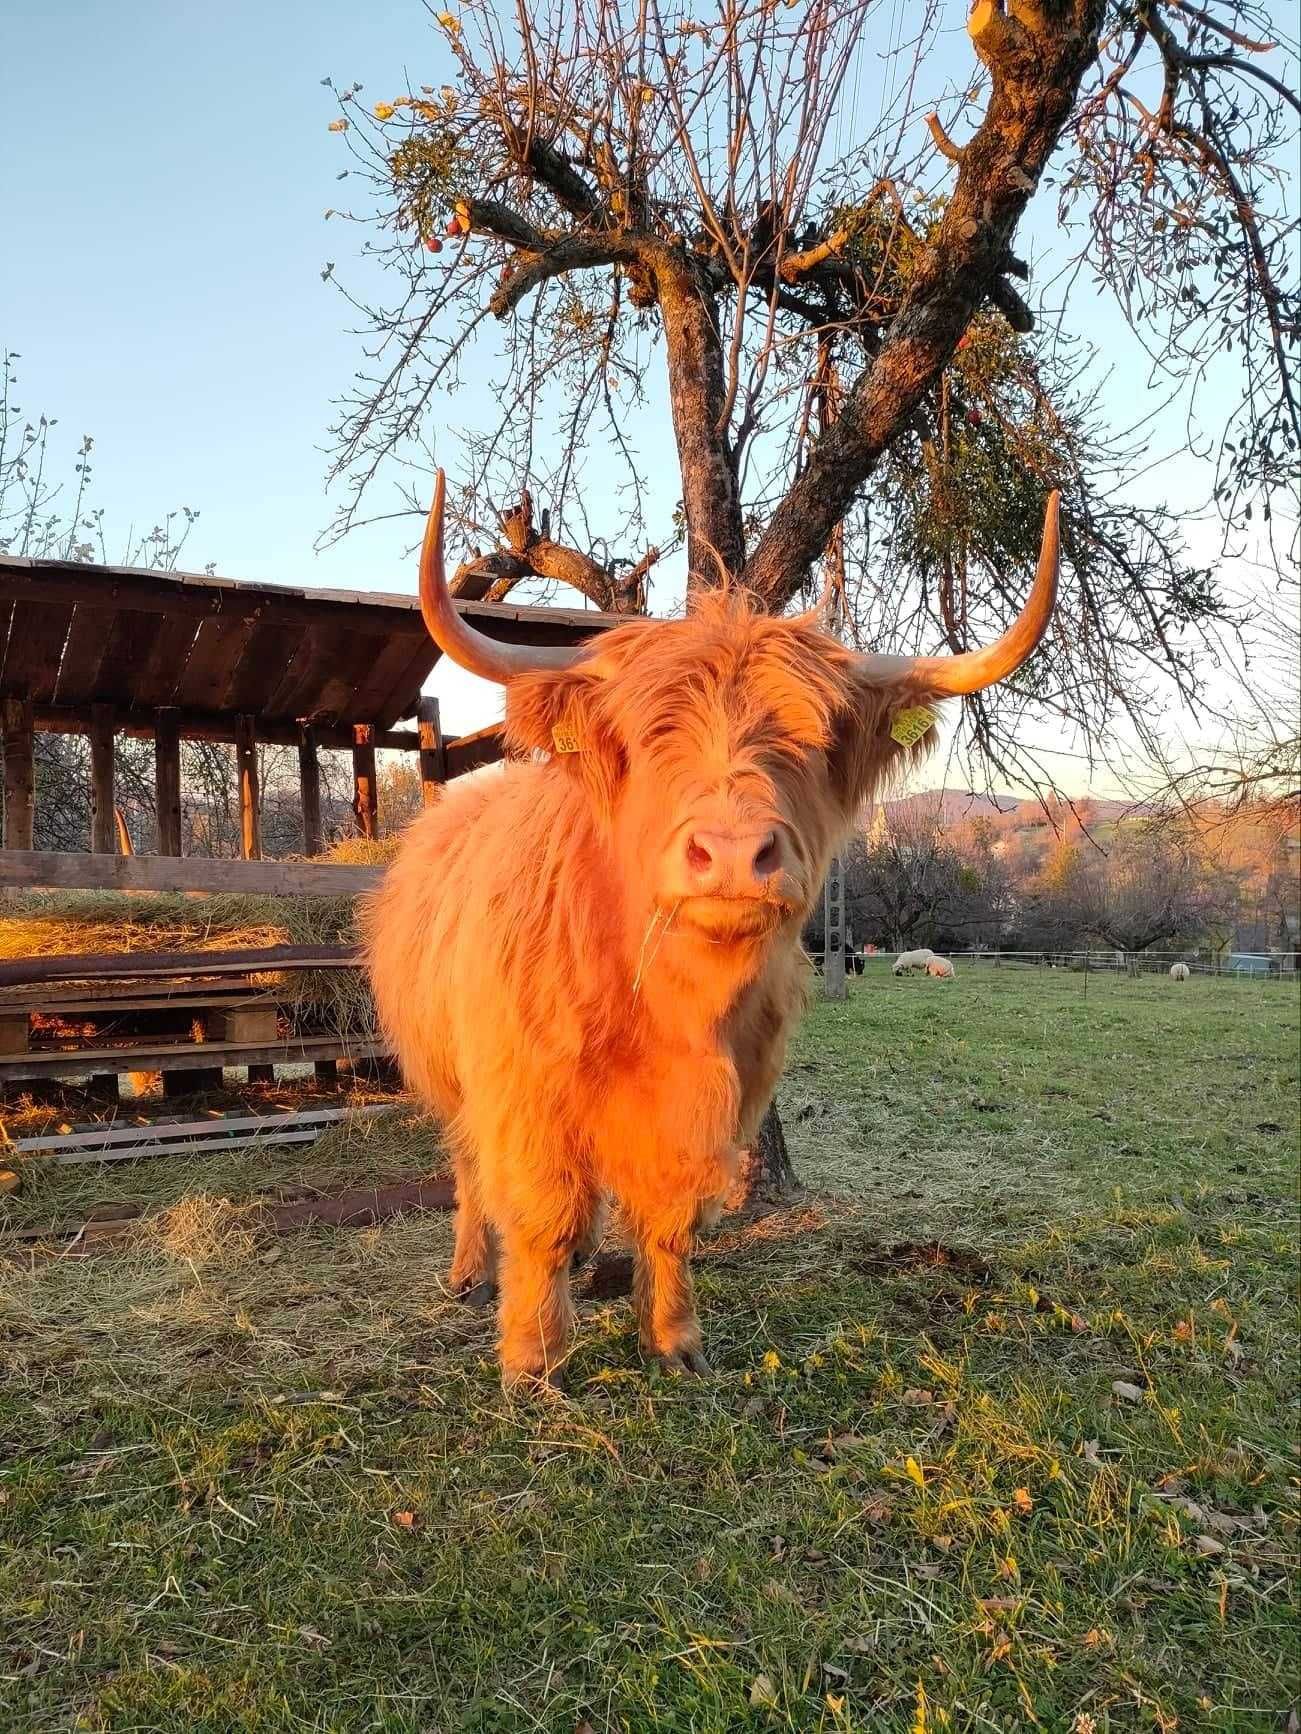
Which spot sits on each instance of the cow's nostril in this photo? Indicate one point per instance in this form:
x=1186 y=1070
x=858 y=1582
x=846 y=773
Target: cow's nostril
x=768 y=856
x=698 y=857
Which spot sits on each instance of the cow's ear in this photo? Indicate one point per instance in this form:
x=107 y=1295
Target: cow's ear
x=560 y=713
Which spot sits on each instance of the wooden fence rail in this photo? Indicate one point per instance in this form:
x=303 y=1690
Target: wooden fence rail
x=65 y=871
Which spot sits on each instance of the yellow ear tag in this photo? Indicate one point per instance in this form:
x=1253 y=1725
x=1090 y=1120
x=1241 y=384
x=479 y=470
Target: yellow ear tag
x=565 y=739
x=910 y=725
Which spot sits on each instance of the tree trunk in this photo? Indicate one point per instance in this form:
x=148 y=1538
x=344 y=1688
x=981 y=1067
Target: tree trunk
x=766 y=1175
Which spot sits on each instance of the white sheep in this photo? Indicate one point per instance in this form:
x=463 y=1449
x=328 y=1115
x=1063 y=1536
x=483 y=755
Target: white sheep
x=1179 y=972
x=940 y=968
x=908 y=961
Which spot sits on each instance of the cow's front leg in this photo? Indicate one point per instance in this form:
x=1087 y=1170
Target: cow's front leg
x=537 y=1309
x=663 y=1295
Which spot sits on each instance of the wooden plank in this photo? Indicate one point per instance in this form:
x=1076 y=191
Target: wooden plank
x=244 y=1021
x=112 y=1132
x=379 y=691
x=250 y=800
x=119 y=1001
x=167 y=781
x=103 y=840
x=213 y=660
x=309 y=783
x=201 y=596
x=469 y=752
x=163 y=671
x=207 y=725
x=337 y=694
x=260 y=669
x=365 y=796
x=187 y=1057
x=13 y=1032
x=200 y=1147
x=126 y=996
x=32 y=656
x=146 y=965
x=19 y=773
x=404 y=695
x=433 y=752
x=26 y=868
x=131 y=639
x=86 y=1145
x=83 y=656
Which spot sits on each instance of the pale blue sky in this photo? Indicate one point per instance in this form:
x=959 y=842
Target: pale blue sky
x=167 y=167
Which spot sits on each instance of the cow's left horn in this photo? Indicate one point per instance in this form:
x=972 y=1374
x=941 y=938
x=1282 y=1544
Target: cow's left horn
x=473 y=650
x=974 y=670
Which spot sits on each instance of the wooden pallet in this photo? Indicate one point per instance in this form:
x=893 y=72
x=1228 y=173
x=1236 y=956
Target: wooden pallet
x=190 y=1137
x=185 y=1056
x=247 y=1017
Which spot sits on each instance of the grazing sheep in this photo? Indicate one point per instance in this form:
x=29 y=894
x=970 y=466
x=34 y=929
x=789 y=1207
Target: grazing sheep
x=1179 y=972
x=940 y=968
x=908 y=961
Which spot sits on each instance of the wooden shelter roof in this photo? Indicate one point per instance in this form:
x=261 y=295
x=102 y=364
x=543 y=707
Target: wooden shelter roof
x=72 y=635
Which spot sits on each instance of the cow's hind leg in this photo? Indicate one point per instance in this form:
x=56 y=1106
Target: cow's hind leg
x=663 y=1295
x=474 y=1257
x=537 y=1309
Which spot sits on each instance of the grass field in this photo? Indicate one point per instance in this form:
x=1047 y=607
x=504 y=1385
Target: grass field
x=1003 y=1435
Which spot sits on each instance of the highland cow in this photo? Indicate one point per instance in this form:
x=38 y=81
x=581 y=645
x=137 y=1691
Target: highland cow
x=641 y=875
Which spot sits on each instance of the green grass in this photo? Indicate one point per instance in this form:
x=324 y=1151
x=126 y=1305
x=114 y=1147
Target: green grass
x=276 y=1487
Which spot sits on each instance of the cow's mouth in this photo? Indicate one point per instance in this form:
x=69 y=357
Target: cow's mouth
x=731 y=918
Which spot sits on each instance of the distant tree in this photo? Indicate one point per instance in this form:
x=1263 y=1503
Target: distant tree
x=1151 y=887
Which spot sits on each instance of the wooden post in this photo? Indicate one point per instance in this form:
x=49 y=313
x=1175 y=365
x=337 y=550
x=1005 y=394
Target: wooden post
x=20 y=773
x=365 y=800
x=833 y=923
x=309 y=780
x=167 y=780
x=433 y=754
x=103 y=827
x=250 y=824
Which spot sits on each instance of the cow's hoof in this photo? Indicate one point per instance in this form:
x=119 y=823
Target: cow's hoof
x=684 y=1363
x=479 y=1295
x=527 y=1384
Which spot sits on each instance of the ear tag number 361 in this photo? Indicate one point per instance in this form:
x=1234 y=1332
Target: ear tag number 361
x=565 y=739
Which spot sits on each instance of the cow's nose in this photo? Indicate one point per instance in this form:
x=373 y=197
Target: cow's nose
x=731 y=863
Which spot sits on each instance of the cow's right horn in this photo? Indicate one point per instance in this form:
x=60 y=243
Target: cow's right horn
x=454 y=636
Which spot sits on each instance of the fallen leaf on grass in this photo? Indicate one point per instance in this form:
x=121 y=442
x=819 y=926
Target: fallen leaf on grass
x=860 y=1646
x=913 y=1470
x=1207 y=1545
x=999 y=1604
x=1023 y=1502
x=929 y=1572
x=406 y=1519
x=763 y=1694
x=1131 y=1393
x=1089 y=1452
x=916 y=1399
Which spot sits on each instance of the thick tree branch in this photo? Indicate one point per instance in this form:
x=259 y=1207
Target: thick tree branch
x=1036 y=60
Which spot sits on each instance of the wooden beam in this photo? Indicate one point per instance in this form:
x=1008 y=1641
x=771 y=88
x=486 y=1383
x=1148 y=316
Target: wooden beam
x=20 y=773
x=29 y=868
x=433 y=753
x=185 y=1057
x=365 y=799
x=250 y=819
x=153 y=965
x=103 y=836
x=309 y=781
x=468 y=752
x=382 y=613
x=207 y=725
x=167 y=780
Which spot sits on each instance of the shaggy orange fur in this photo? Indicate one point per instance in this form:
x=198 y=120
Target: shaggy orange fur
x=581 y=1025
